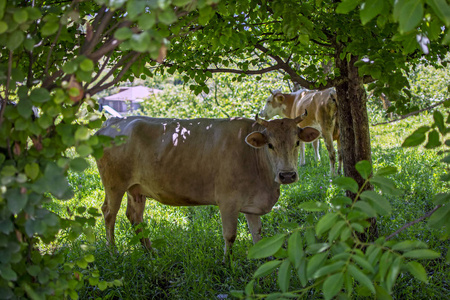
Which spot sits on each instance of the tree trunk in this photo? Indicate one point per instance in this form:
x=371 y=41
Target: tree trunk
x=354 y=127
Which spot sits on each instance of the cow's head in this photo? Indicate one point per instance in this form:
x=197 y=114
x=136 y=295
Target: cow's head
x=274 y=105
x=281 y=140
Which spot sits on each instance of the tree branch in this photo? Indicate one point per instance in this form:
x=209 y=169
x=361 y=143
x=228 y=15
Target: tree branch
x=4 y=101
x=407 y=225
x=98 y=87
x=412 y=113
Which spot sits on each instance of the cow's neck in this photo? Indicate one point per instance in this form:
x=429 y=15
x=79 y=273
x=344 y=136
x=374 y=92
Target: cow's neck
x=288 y=105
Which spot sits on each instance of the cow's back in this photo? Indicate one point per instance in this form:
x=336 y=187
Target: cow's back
x=319 y=105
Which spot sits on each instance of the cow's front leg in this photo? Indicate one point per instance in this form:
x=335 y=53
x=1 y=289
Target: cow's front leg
x=254 y=225
x=229 y=215
x=302 y=154
x=316 y=147
x=135 y=214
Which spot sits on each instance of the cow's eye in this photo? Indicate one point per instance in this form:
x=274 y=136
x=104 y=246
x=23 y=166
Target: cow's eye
x=298 y=143
x=270 y=146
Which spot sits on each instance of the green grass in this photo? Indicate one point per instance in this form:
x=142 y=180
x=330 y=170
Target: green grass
x=189 y=245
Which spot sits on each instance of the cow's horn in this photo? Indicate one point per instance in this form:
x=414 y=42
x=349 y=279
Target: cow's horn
x=261 y=121
x=300 y=118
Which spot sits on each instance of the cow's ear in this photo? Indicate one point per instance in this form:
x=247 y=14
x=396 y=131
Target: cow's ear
x=308 y=134
x=279 y=98
x=256 y=139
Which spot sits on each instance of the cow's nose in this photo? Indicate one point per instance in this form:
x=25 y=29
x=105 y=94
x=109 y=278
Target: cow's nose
x=287 y=177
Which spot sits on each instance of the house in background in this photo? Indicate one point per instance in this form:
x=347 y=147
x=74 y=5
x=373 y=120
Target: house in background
x=126 y=100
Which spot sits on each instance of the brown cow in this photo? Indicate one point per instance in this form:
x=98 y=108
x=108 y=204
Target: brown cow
x=237 y=164
x=322 y=115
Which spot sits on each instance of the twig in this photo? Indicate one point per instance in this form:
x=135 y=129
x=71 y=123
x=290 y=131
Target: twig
x=407 y=225
x=125 y=68
x=52 y=45
x=8 y=80
x=412 y=113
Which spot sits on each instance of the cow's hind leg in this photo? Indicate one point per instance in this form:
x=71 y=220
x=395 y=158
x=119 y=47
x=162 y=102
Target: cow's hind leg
x=331 y=152
x=254 y=225
x=110 y=207
x=229 y=228
x=135 y=212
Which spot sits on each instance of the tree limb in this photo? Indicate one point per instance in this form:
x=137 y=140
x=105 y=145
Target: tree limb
x=412 y=113
x=97 y=88
x=4 y=101
x=407 y=225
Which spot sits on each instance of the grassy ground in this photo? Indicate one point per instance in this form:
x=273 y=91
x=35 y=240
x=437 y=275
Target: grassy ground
x=189 y=241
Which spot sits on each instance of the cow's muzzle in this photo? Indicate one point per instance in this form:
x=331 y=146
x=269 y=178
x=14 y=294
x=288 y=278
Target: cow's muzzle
x=287 y=177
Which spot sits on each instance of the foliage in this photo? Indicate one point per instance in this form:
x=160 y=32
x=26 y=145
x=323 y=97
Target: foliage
x=54 y=56
x=188 y=240
x=226 y=98
x=328 y=255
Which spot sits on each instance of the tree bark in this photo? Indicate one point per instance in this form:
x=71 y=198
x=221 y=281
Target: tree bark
x=354 y=127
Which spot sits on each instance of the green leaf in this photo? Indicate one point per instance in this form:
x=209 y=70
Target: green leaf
x=14 y=40
x=315 y=263
x=266 y=247
x=140 y=42
x=40 y=95
x=16 y=200
x=361 y=277
x=379 y=203
x=366 y=207
x=335 y=231
x=346 y=6
x=123 y=33
x=325 y=223
x=102 y=285
x=333 y=285
x=313 y=206
x=32 y=170
x=422 y=254
x=249 y=287
x=364 y=168
x=439 y=120
x=370 y=9
x=386 y=171
x=417 y=270
x=415 y=139
x=49 y=28
x=433 y=140
x=3 y=27
x=79 y=164
x=146 y=21
x=382 y=294
x=408 y=245
x=361 y=260
x=393 y=272
x=167 y=17
x=20 y=16
x=329 y=269
x=346 y=183
x=266 y=268
x=411 y=14
x=87 y=65
x=295 y=249
x=7 y=272
x=385 y=185
x=441 y=9
x=284 y=276
x=82 y=134
x=441 y=198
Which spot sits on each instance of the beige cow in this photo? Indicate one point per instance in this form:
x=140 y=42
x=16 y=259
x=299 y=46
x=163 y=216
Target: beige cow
x=322 y=115
x=237 y=164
